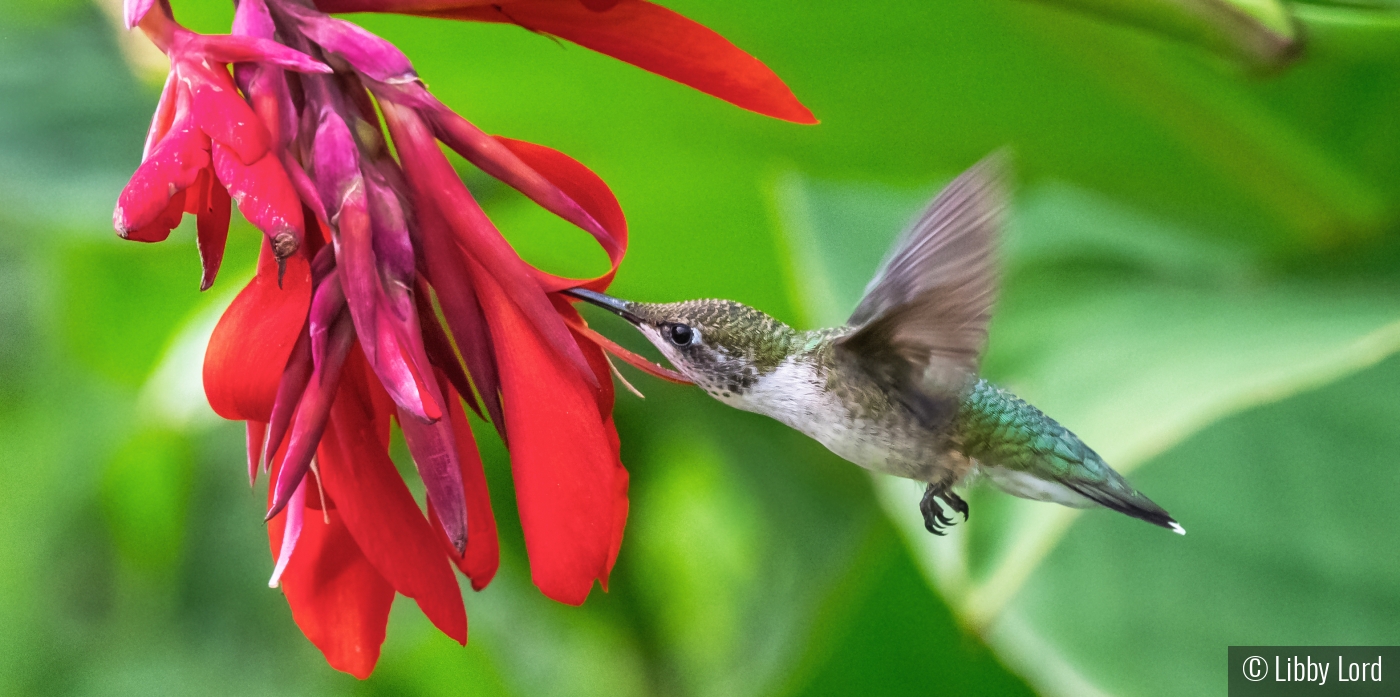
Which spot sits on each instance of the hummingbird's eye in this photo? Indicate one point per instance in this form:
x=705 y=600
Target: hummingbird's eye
x=681 y=334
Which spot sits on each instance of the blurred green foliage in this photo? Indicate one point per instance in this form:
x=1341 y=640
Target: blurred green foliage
x=1201 y=281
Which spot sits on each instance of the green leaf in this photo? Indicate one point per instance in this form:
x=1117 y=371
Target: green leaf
x=1290 y=507
x=1259 y=32
x=883 y=633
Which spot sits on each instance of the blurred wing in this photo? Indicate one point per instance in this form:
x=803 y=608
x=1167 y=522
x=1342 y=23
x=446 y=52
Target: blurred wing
x=922 y=324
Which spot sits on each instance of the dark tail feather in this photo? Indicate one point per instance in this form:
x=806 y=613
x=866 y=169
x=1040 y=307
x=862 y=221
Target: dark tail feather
x=1121 y=497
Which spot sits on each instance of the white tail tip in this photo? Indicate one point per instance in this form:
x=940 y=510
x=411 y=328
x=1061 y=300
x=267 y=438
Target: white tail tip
x=1177 y=528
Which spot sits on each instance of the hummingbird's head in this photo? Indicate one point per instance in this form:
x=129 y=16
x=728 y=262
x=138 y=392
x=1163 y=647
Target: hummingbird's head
x=721 y=345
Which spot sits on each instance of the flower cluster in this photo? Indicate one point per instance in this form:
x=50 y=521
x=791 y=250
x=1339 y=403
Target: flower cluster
x=384 y=292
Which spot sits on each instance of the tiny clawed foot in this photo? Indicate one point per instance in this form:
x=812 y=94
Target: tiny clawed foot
x=936 y=520
x=956 y=503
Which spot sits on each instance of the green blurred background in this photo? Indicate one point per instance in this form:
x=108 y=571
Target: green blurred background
x=1201 y=281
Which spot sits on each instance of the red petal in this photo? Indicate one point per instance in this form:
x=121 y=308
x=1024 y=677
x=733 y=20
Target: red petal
x=656 y=39
x=591 y=193
x=591 y=351
x=599 y=361
x=436 y=184
x=628 y=357
x=380 y=512
x=439 y=347
x=462 y=312
x=252 y=341
x=497 y=160
x=619 y=497
x=483 y=554
x=212 y=226
x=446 y=266
x=338 y=599
x=564 y=463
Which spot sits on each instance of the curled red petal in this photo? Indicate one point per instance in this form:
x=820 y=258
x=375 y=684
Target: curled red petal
x=564 y=463
x=655 y=39
x=253 y=339
x=580 y=184
x=495 y=157
x=381 y=513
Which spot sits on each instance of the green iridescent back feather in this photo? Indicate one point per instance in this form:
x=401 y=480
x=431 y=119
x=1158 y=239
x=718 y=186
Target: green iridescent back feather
x=1000 y=429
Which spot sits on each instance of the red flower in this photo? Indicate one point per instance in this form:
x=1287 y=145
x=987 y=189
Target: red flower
x=339 y=331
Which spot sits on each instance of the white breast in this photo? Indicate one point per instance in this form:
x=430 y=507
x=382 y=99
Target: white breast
x=795 y=394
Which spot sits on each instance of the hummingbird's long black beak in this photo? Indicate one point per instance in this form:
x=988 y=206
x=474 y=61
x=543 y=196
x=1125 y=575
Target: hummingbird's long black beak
x=607 y=302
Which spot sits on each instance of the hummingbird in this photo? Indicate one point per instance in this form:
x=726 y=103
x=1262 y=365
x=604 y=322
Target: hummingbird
x=896 y=389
